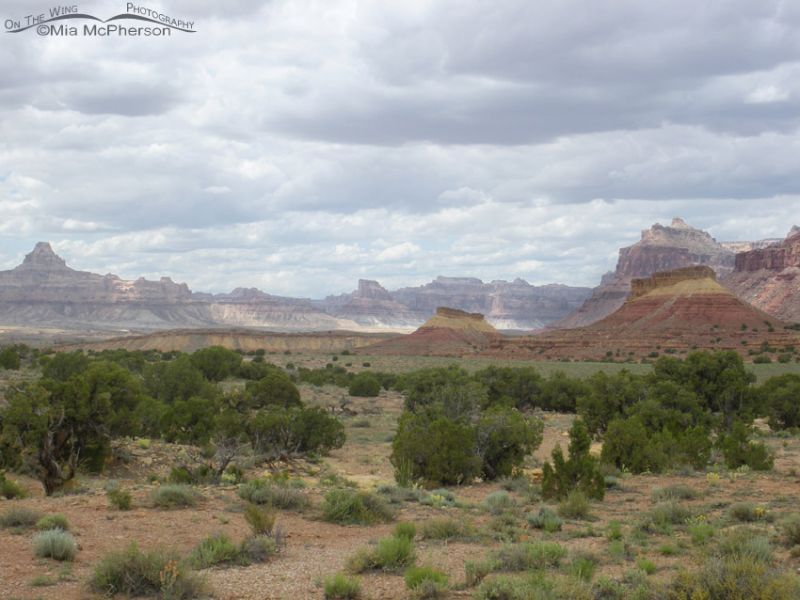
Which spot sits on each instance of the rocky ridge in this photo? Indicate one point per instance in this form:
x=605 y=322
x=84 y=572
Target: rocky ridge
x=769 y=278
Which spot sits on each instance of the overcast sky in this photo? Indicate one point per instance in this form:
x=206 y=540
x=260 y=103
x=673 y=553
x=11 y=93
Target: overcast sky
x=297 y=146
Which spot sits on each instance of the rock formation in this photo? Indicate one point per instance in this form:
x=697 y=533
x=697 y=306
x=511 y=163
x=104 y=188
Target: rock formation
x=450 y=332
x=660 y=249
x=674 y=311
x=769 y=278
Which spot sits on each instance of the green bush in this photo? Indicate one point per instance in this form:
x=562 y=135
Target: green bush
x=364 y=385
x=779 y=396
x=119 y=498
x=574 y=506
x=257 y=549
x=214 y=550
x=734 y=579
x=675 y=492
x=261 y=491
x=55 y=543
x=345 y=506
x=136 y=573
x=405 y=529
x=261 y=520
x=448 y=529
x=273 y=390
x=390 y=554
x=342 y=587
x=747 y=512
x=738 y=450
x=790 y=530
x=663 y=516
x=546 y=519
x=10 y=489
x=580 y=471
x=19 y=518
x=174 y=496
x=426 y=582
x=278 y=432
x=528 y=556
x=499 y=502
x=52 y=522
x=746 y=543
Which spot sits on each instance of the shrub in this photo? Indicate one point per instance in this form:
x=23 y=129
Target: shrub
x=438 y=451
x=663 y=515
x=546 y=519
x=364 y=385
x=261 y=491
x=342 y=587
x=498 y=502
x=10 y=489
x=504 y=438
x=426 y=582
x=790 y=530
x=174 y=496
x=447 y=529
x=646 y=565
x=579 y=471
x=583 y=566
x=19 y=518
x=527 y=556
x=119 y=498
x=747 y=512
x=275 y=389
x=746 y=543
x=734 y=579
x=475 y=572
x=345 y=506
x=406 y=530
x=390 y=554
x=214 y=550
x=738 y=450
x=701 y=532
x=780 y=395
x=55 y=543
x=52 y=522
x=574 y=506
x=278 y=432
x=261 y=520
x=257 y=549
x=136 y=573
x=675 y=492
x=438 y=498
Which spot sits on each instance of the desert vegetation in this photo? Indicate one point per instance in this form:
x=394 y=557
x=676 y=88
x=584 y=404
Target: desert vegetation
x=211 y=474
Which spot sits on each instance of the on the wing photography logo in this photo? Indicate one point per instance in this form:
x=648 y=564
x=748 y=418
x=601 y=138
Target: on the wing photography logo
x=69 y=21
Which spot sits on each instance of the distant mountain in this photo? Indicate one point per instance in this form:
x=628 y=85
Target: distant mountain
x=44 y=292
x=661 y=248
x=769 y=277
x=507 y=305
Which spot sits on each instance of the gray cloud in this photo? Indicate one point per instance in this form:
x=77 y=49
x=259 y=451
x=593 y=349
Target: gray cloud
x=298 y=145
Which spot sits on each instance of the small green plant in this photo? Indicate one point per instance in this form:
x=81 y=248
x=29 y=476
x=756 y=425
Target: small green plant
x=499 y=502
x=119 y=498
x=342 y=587
x=476 y=571
x=447 y=529
x=583 y=567
x=426 y=583
x=614 y=530
x=10 y=489
x=647 y=566
x=746 y=512
x=390 y=554
x=663 y=516
x=214 y=550
x=405 y=529
x=790 y=530
x=257 y=549
x=574 y=506
x=527 y=556
x=52 y=522
x=546 y=520
x=675 y=492
x=136 y=573
x=345 y=506
x=579 y=472
x=19 y=518
x=174 y=496
x=261 y=520
x=746 y=543
x=261 y=491
x=700 y=531
x=55 y=543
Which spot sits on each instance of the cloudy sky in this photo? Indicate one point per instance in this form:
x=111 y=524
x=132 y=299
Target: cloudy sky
x=298 y=145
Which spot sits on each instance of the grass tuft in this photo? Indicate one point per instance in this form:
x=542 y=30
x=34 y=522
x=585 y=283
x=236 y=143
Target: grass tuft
x=55 y=543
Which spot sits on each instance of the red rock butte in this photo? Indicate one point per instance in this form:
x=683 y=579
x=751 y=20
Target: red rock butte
x=673 y=311
x=450 y=332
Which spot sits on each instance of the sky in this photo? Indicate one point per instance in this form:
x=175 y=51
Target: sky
x=297 y=145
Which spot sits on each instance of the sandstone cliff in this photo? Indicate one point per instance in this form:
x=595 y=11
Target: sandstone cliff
x=769 y=278
x=660 y=249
